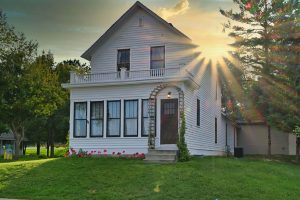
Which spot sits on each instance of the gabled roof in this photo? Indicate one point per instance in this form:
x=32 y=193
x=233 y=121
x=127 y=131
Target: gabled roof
x=87 y=54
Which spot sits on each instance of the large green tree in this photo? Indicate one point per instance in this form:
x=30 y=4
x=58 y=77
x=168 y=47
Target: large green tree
x=267 y=45
x=16 y=53
x=44 y=97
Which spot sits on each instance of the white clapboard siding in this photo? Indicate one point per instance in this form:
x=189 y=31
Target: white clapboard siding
x=139 y=39
x=179 y=53
x=201 y=139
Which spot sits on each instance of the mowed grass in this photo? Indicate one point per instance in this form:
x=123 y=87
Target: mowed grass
x=31 y=154
x=58 y=151
x=112 y=178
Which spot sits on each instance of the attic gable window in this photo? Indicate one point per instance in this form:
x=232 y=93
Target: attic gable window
x=123 y=59
x=141 y=22
x=157 y=57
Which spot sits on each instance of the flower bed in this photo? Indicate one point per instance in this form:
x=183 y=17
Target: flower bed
x=72 y=153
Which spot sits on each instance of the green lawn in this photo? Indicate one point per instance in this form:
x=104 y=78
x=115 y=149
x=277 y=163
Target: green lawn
x=58 y=151
x=31 y=154
x=109 y=178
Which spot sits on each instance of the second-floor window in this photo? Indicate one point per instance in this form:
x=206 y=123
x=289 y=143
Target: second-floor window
x=157 y=57
x=123 y=59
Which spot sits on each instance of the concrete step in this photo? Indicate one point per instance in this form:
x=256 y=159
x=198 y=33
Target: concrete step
x=161 y=156
x=160 y=161
x=156 y=151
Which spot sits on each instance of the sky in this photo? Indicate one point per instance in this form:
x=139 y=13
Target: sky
x=69 y=27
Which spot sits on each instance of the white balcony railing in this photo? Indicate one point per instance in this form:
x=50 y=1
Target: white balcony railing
x=124 y=75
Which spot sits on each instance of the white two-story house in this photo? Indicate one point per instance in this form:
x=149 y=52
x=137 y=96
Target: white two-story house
x=144 y=73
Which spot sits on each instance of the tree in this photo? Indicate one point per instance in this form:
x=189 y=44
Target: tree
x=58 y=123
x=260 y=31
x=44 y=95
x=16 y=53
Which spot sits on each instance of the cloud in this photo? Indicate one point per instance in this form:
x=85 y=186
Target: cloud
x=180 y=8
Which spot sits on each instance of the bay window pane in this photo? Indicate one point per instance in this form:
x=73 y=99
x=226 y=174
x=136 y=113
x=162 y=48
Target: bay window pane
x=113 y=127
x=96 y=127
x=131 y=127
x=145 y=130
x=80 y=128
x=80 y=110
x=145 y=108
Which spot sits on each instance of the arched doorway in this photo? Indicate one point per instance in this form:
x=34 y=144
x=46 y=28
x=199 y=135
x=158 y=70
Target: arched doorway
x=165 y=104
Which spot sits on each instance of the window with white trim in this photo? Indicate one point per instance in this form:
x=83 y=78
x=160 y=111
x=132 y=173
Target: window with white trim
x=113 y=118
x=130 y=118
x=96 y=119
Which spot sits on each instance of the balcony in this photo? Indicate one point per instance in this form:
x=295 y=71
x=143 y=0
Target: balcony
x=152 y=75
x=130 y=77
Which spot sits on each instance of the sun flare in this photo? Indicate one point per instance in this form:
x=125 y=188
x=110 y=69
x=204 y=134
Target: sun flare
x=214 y=53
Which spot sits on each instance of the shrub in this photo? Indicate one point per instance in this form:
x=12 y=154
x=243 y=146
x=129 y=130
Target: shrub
x=184 y=154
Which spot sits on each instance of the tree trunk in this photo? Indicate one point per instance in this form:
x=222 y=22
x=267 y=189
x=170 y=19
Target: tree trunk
x=24 y=148
x=52 y=144
x=269 y=141
x=52 y=150
x=17 y=148
x=298 y=149
x=47 y=148
x=38 y=148
x=18 y=132
x=48 y=142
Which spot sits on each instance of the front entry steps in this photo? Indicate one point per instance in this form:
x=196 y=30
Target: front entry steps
x=162 y=154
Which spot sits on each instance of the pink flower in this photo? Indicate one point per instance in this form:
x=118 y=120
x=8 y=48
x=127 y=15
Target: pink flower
x=105 y=151
x=248 y=5
x=113 y=153
x=123 y=151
